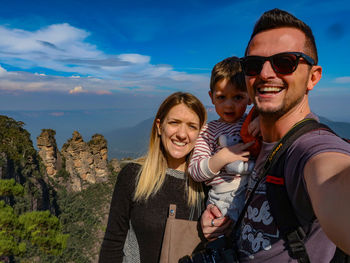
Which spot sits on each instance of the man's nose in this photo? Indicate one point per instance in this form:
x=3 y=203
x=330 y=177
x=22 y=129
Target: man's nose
x=267 y=70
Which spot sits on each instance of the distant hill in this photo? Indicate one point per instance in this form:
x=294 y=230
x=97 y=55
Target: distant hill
x=133 y=142
x=341 y=128
x=129 y=142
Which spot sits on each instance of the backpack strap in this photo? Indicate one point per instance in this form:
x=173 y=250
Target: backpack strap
x=280 y=205
x=273 y=158
x=283 y=213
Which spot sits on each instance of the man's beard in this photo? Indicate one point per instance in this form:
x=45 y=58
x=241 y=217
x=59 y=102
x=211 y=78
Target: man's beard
x=279 y=112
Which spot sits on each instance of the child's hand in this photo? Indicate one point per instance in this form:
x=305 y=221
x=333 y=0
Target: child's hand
x=228 y=155
x=254 y=127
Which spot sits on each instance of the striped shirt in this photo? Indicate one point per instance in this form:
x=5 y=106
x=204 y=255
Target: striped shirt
x=206 y=146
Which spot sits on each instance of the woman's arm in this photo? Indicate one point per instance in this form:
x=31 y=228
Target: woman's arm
x=119 y=216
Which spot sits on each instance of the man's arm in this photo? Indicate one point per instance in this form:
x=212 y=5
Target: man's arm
x=327 y=177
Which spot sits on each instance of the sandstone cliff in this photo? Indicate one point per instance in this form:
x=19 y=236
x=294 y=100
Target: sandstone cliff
x=85 y=162
x=49 y=152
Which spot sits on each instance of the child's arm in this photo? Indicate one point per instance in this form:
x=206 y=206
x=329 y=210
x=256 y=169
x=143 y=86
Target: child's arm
x=198 y=167
x=226 y=155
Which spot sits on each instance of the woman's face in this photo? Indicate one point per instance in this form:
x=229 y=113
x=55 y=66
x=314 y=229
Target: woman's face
x=178 y=132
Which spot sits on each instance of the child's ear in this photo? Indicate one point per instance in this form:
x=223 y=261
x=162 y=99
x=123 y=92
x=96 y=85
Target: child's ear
x=211 y=96
x=159 y=130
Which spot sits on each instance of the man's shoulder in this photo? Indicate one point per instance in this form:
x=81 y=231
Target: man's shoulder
x=311 y=144
x=320 y=140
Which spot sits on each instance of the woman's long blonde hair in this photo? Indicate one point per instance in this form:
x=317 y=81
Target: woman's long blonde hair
x=153 y=172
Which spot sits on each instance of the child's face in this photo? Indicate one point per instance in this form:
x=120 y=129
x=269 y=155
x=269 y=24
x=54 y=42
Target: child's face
x=230 y=103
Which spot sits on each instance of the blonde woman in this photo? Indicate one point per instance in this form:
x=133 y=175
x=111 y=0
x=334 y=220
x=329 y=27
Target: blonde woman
x=144 y=192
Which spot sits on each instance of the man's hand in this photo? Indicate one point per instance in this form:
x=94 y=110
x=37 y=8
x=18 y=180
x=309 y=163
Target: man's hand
x=213 y=224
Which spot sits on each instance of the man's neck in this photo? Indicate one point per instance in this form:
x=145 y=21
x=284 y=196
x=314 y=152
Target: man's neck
x=273 y=129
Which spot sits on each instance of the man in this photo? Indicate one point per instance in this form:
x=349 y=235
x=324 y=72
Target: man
x=281 y=69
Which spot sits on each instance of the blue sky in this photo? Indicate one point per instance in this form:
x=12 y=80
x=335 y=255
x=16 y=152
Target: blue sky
x=69 y=55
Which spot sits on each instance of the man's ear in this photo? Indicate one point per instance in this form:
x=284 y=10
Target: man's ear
x=314 y=77
x=159 y=130
x=211 y=96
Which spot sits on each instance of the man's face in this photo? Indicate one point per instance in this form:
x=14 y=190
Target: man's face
x=275 y=94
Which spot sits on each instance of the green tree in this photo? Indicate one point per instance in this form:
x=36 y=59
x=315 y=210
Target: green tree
x=9 y=187
x=38 y=228
x=10 y=233
x=43 y=230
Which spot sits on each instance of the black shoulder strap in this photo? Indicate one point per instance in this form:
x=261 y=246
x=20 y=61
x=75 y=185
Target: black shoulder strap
x=282 y=209
x=277 y=196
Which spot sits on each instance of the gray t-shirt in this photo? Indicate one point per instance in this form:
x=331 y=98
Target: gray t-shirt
x=260 y=239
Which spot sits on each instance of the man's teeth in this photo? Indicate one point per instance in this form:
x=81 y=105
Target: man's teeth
x=270 y=89
x=179 y=143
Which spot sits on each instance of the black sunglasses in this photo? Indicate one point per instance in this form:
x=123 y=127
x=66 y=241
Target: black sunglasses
x=282 y=63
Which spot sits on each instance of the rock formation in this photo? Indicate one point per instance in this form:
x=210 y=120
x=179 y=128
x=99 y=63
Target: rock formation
x=85 y=162
x=48 y=152
x=115 y=165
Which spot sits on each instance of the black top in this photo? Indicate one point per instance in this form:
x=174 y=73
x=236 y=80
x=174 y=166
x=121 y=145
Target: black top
x=147 y=218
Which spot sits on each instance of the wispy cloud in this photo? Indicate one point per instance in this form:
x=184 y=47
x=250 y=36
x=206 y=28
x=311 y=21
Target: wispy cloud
x=342 y=80
x=64 y=48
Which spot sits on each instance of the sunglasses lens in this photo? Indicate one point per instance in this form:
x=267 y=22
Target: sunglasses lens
x=252 y=66
x=285 y=63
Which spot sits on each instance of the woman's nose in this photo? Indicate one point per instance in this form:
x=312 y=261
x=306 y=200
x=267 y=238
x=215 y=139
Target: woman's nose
x=182 y=131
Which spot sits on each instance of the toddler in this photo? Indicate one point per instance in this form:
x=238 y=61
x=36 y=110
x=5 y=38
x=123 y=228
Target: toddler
x=219 y=158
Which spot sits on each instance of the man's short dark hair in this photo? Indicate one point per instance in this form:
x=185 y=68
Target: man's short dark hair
x=277 y=18
x=230 y=69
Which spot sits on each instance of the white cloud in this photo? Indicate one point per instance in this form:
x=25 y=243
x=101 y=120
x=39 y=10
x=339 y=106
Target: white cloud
x=342 y=80
x=77 y=89
x=135 y=58
x=64 y=48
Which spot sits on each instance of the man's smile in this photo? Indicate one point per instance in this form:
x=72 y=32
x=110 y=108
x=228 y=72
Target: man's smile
x=265 y=90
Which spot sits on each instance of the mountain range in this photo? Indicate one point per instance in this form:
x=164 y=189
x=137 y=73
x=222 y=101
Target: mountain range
x=133 y=141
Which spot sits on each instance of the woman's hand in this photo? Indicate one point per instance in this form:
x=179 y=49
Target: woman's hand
x=214 y=224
